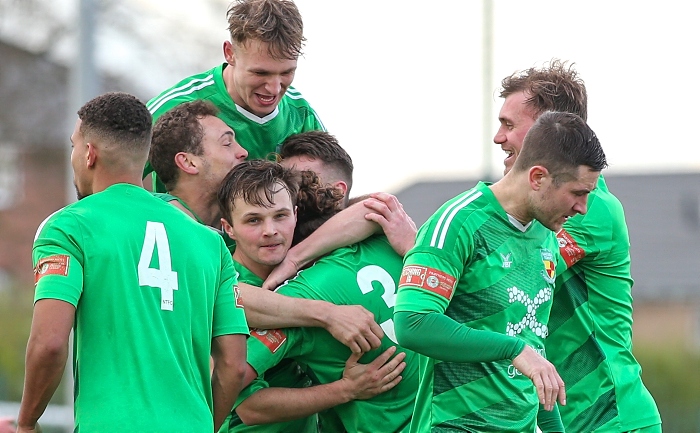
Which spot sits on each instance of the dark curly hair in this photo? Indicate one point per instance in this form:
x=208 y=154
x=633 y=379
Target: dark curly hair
x=554 y=87
x=178 y=130
x=277 y=23
x=316 y=203
x=117 y=117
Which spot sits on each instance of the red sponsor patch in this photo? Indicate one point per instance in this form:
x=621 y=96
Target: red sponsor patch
x=271 y=338
x=52 y=265
x=428 y=278
x=237 y=296
x=569 y=249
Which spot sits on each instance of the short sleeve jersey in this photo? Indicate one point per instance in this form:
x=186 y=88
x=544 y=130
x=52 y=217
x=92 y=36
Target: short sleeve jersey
x=591 y=323
x=475 y=264
x=151 y=288
x=362 y=274
x=287 y=374
x=260 y=136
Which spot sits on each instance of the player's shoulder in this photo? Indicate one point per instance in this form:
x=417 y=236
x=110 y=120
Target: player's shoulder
x=194 y=87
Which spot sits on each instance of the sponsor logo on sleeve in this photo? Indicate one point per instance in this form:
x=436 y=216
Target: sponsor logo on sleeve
x=273 y=339
x=237 y=296
x=52 y=265
x=569 y=249
x=427 y=278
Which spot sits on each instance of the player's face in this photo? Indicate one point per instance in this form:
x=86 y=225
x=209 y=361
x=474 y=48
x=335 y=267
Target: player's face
x=516 y=119
x=78 y=160
x=554 y=204
x=221 y=150
x=258 y=81
x=263 y=235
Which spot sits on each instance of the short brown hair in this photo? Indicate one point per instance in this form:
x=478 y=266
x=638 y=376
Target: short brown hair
x=178 y=130
x=278 y=23
x=554 y=87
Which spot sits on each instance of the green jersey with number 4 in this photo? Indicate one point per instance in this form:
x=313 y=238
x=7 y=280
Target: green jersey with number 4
x=362 y=274
x=151 y=288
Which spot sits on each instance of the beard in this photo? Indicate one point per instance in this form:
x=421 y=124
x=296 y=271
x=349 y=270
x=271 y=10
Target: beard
x=78 y=193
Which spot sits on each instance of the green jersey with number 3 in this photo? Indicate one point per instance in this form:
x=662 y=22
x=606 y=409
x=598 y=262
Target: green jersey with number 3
x=362 y=274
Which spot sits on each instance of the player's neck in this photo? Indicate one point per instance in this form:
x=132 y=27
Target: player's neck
x=205 y=207
x=260 y=270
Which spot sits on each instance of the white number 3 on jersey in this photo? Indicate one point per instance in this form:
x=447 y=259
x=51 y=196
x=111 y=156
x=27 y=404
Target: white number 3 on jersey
x=163 y=278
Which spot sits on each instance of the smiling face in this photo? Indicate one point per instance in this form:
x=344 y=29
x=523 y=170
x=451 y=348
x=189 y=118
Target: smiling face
x=516 y=119
x=221 y=151
x=552 y=204
x=255 y=80
x=263 y=235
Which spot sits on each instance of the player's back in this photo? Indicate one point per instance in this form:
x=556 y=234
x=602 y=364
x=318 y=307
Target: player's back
x=364 y=274
x=144 y=319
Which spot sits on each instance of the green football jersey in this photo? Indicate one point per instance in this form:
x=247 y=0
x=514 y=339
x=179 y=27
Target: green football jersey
x=590 y=339
x=151 y=289
x=260 y=136
x=362 y=274
x=479 y=266
x=287 y=374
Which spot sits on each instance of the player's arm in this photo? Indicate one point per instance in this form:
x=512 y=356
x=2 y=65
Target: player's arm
x=549 y=421
x=379 y=212
x=229 y=367
x=47 y=352
x=352 y=325
x=359 y=382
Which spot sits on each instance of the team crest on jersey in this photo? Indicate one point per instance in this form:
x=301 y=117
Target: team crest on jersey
x=273 y=339
x=52 y=265
x=569 y=249
x=549 y=273
x=427 y=278
x=237 y=296
x=507 y=261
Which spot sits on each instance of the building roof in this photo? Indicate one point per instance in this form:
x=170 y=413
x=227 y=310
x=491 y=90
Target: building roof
x=663 y=218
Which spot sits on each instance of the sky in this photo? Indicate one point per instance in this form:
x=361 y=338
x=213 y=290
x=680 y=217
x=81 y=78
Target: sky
x=399 y=82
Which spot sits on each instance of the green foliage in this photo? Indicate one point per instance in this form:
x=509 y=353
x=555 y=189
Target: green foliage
x=673 y=378
x=15 y=321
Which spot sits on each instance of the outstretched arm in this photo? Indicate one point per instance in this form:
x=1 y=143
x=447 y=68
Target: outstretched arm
x=352 y=325
x=379 y=212
x=47 y=352
x=359 y=382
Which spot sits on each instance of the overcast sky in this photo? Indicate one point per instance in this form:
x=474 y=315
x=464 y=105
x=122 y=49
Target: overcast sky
x=400 y=82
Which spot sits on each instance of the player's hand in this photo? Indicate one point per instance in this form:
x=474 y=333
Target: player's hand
x=368 y=380
x=550 y=387
x=389 y=213
x=354 y=326
x=282 y=272
x=7 y=425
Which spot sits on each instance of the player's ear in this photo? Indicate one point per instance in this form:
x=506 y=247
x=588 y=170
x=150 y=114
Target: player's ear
x=341 y=186
x=536 y=176
x=228 y=53
x=186 y=162
x=91 y=155
x=227 y=228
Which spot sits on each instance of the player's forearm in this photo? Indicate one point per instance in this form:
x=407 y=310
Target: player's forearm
x=272 y=405
x=440 y=337
x=347 y=227
x=269 y=310
x=229 y=358
x=549 y=421
x=44 y=367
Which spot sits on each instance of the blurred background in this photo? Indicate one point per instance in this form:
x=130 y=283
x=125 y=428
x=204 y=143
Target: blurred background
x=410 y=89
